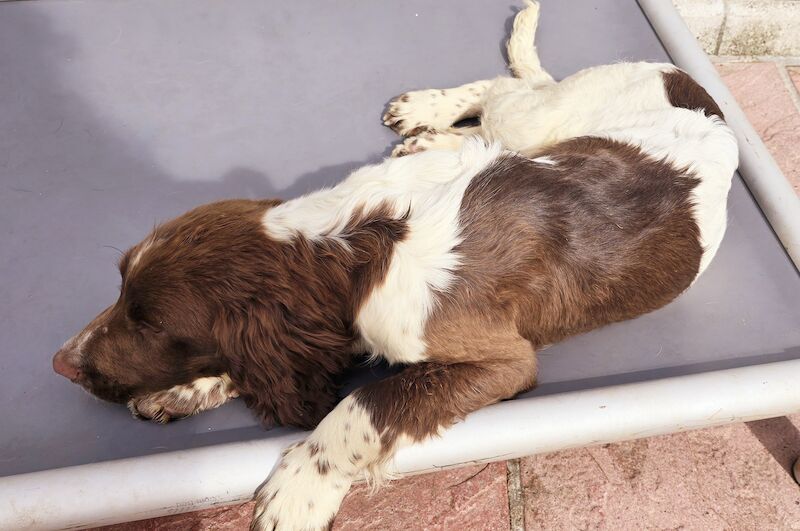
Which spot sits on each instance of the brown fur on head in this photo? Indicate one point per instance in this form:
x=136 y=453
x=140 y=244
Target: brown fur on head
x=210 y=292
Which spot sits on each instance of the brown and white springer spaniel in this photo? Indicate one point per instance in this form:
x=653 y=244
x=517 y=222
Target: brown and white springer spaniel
x=572 y=205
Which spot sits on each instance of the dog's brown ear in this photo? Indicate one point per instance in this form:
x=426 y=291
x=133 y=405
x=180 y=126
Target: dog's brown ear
x=279 y=363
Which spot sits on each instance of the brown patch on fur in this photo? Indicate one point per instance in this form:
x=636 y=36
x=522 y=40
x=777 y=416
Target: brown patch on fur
x=322 y=467
x=212 y=293
x=313 y=449
x=418 y=130
x=684 y=92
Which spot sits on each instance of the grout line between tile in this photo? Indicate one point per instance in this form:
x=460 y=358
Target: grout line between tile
x=516 y=504
x=790 y=87
x=786 y=60
x=780 y=62
x=722 y=27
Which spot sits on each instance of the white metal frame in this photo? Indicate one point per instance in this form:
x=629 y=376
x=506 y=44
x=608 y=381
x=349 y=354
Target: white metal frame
x=145 y=487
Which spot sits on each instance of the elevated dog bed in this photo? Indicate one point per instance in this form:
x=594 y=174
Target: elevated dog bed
x=115 y=115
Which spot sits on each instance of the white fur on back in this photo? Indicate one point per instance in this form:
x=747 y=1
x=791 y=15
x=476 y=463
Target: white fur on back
x=429 y=187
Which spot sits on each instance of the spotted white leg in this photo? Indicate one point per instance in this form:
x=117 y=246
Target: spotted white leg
x=309 y=484
x=184 y=400
x=436 y=109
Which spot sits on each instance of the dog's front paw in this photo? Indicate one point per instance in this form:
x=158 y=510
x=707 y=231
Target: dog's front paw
x=304 y=492
x=183 y=400
x=415 y=112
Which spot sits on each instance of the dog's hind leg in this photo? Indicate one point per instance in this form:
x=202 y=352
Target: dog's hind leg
x=435 y=109
x=184 y=400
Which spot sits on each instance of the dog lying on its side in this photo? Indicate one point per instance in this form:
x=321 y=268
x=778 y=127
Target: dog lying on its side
x=580 y=203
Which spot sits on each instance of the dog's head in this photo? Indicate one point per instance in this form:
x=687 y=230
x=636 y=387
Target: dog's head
x=208 y=293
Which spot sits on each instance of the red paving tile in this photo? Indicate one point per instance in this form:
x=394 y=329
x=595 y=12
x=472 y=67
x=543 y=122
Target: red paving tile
x=760 y=91
x=721 y=478
x=473 y=498
x=233 y=518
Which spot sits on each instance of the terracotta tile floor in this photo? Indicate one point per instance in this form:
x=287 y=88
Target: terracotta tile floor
x=770 y=99
x=733 y=477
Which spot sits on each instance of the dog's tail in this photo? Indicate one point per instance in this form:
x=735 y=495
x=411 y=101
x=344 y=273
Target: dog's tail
x=522 y=57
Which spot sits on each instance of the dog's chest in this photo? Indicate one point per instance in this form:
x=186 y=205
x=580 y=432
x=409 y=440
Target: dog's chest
x=392 y=319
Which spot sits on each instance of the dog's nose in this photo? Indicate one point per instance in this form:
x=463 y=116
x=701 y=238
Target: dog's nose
x=64 y=366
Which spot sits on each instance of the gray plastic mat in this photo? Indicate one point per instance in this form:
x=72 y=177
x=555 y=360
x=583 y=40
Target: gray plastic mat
x=115 y=115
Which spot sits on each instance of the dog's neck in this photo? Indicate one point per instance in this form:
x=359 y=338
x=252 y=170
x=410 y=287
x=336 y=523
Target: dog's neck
x=296 y=332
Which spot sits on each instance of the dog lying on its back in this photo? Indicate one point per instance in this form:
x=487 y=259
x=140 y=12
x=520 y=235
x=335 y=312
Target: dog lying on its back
x=581 y=203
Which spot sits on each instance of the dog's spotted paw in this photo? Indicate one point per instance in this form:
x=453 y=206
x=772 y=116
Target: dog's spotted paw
x=415 y=112
x=303 y=493
x=408 y=146
x=427 y=141
x=183 y=400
